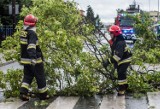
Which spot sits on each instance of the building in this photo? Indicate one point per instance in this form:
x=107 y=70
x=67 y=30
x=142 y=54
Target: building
x=82 y=12
x=133 y=8
x=80 y=9
x=154 y=15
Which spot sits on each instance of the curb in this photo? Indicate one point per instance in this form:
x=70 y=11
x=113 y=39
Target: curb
x=6 y=63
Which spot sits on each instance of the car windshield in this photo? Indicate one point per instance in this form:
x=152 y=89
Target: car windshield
x=126 y=22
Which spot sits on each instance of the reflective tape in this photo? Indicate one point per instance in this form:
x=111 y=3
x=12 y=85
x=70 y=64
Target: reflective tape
x=116 y=58
x=121 y=92
x=28 y=61
x=23 y=34
x=23 y=41
x=121 y=82
x=42 y=90
x=125 y=61
x=31 y=46
x=25 y=85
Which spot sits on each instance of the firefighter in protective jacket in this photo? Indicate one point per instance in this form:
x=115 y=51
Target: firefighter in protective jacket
x=32 y=59
x=121 y=57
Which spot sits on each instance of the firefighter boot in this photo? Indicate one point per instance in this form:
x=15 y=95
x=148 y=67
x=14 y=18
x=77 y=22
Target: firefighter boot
x=24 y=94
x=43 y=96
x=24 y=97
x=122 y=89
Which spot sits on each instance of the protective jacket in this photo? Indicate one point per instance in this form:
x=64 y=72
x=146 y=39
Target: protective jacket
x=120 y=52
x=30 y=49
x=31 y=52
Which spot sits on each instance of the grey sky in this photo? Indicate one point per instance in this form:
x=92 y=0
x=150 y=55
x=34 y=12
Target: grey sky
x=106 y=9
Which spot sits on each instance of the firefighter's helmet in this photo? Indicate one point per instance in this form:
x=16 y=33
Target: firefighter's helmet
x=30 y=20
x=115 y=30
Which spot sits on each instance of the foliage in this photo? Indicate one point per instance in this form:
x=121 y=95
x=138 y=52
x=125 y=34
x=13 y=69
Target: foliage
x=143 y=82
x=136 y=81
x=11 y=83
x=92 y=19
x=2 y=84
x=146 y=50
x=90 y=15
x=73 y=53
x=147 y=46
x=60 y=35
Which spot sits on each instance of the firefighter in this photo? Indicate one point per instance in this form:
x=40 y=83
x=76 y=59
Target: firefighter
x=32 y=60
x=121 y=57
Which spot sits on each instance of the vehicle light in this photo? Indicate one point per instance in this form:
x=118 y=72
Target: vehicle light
x=125 y=31
x=131 y=31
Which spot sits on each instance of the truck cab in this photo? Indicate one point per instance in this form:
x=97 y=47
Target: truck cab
x=126 y=25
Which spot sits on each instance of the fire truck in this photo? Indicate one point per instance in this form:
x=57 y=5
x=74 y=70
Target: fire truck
x=126 y=23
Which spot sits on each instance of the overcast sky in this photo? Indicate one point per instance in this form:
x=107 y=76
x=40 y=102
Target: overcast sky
x=106 y=9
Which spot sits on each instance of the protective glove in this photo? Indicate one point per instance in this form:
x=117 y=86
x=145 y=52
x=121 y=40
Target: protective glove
x=33 y=62
x=110 y=42
x=106 y=63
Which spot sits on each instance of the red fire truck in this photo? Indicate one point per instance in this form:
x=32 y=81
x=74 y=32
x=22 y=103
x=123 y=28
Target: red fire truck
x=126 y=23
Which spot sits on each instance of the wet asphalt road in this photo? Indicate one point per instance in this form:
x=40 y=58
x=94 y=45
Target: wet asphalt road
x=136 y=103
x=88 y=103
x=83 y=102
x=14 y=66
x=95 y=103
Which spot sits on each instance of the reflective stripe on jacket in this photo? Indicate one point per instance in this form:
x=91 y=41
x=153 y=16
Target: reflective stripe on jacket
x=29 y=47
x=28 y=61
x=120 y=52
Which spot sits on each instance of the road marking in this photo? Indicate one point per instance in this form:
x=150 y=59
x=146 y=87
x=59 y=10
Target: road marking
x=153 y=100
x=12 y=105
x=63 y=103
x=113 y=102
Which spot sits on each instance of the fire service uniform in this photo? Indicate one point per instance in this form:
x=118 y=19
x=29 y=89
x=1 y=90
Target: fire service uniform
x=32 y=59
x=121 y=57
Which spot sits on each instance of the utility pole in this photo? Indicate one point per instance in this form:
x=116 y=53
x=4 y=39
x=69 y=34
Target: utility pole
x=158 y=12
x=14 y=14
x=149 y=5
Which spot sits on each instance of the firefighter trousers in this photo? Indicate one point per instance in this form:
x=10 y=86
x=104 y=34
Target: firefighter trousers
x=30 y=72
x=122 y=74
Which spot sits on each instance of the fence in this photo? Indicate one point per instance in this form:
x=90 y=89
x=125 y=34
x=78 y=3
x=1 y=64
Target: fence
x=6 y=30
